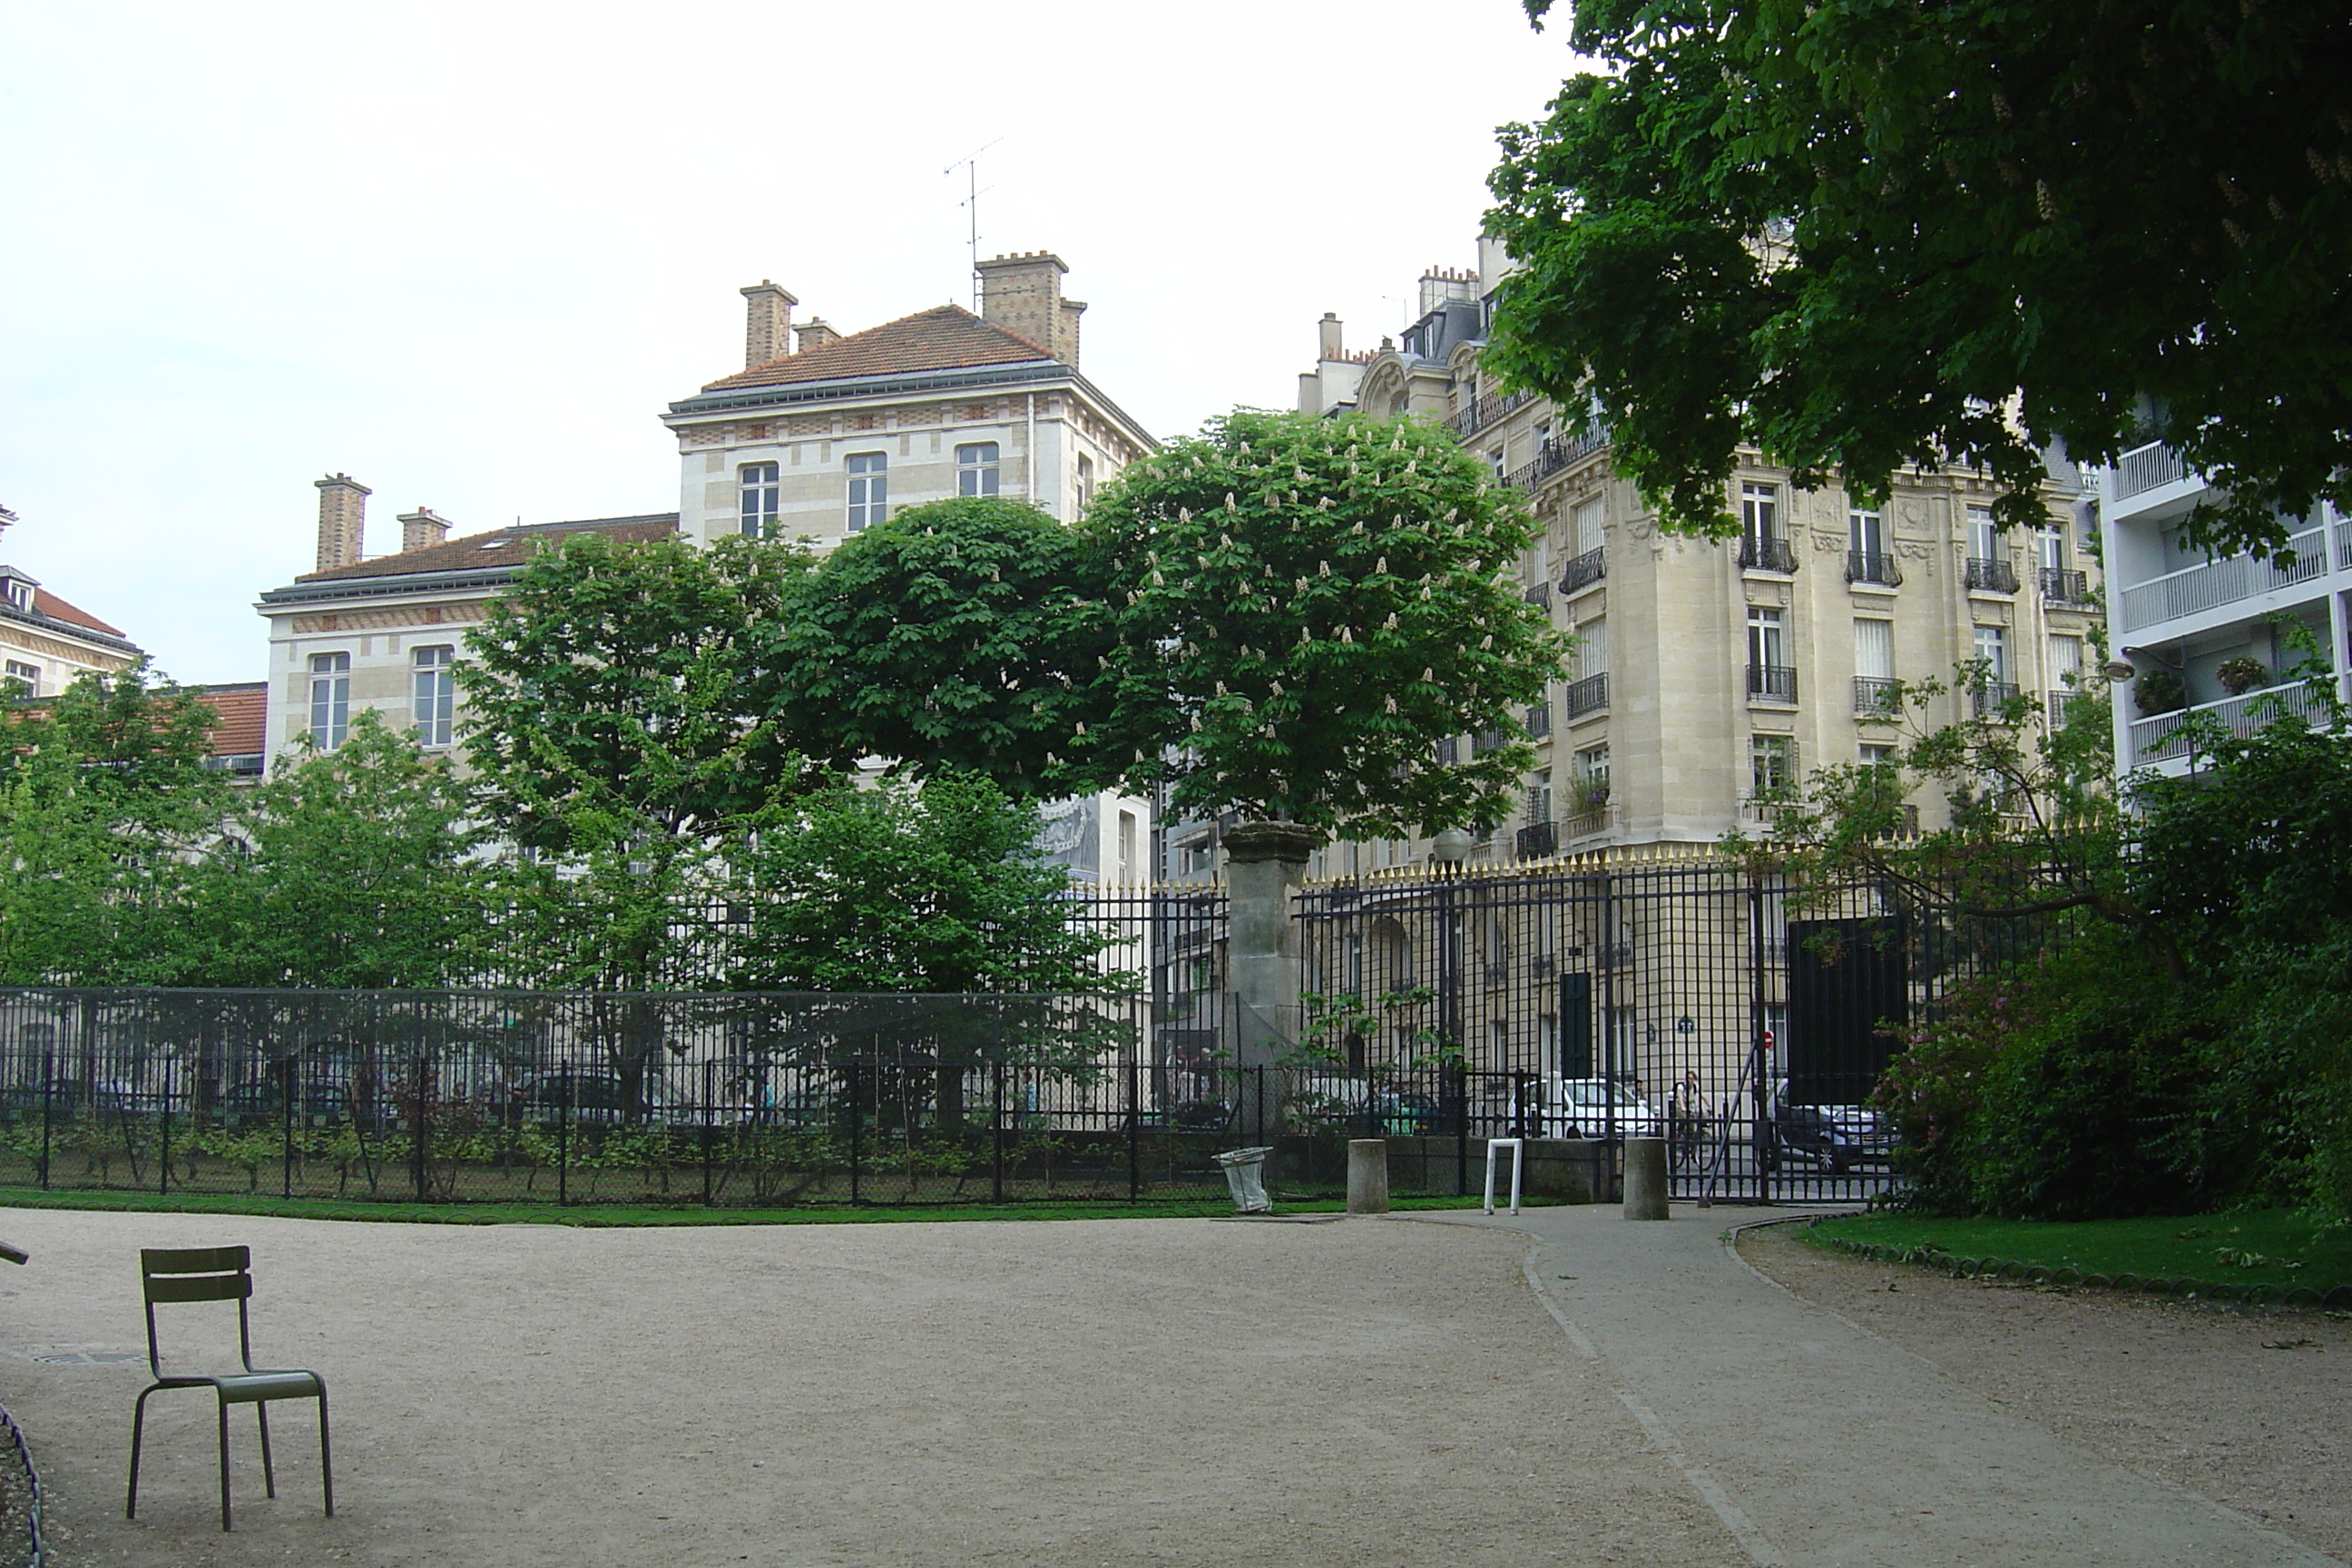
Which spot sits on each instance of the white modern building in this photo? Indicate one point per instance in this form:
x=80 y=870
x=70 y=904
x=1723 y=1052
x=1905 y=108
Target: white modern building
x=2206 y=634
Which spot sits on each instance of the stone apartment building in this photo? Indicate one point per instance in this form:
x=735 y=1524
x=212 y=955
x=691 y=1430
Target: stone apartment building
x=819 y=436
x=45 y=641
x=1711 y=671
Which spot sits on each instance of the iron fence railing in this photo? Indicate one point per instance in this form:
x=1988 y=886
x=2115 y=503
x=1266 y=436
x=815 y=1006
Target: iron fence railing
x=1586 y=569
x=1588 y=696
x=1990 y=576
x=1773 y=682
x=1988 y=699
x=2062 y=587
x=1873 y=566
x=1876 y=695
x=1766 y=554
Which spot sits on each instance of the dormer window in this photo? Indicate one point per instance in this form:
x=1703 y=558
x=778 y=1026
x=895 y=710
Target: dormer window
x=20 y=591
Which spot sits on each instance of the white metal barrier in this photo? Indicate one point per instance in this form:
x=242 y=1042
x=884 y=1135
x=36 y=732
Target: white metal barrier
x=1519 y=1148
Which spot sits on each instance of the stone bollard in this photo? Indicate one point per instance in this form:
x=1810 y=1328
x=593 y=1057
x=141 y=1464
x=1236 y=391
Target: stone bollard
x=1368 y=1176
x=1645 y=1178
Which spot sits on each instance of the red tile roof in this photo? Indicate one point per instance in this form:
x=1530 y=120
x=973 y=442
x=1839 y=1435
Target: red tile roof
x=243 y=710
x=499 y=547
x=49 y=605
x=945 y=337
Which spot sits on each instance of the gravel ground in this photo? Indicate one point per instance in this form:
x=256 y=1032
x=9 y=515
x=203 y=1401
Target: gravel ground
x=1088 y=1393
x=2243 y=1406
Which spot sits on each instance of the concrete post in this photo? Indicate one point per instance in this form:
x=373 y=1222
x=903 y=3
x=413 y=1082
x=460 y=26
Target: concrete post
x=1368 y=1176
x=1266 y=862
x=1645 y=1178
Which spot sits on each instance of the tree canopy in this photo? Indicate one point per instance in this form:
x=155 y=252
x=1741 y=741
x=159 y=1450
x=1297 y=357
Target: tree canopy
x=1858 y=236
x=1303 y=608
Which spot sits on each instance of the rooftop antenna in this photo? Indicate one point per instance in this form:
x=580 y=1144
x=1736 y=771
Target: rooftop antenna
x=970 y=203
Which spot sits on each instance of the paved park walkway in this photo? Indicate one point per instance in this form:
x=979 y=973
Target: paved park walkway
x=1819 y=1444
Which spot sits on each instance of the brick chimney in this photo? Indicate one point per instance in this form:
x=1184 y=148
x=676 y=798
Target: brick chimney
x=1024 y=294
x=342 y=521
x=420 y=530
x=767 y=323
x=815 y=335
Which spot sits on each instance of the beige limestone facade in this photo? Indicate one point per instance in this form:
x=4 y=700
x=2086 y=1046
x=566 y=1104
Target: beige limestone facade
x=47 y=641
x=1711 y=671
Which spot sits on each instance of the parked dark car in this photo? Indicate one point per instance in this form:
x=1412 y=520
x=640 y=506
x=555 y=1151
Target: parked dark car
x=596 y=1100
x=1831 y=1138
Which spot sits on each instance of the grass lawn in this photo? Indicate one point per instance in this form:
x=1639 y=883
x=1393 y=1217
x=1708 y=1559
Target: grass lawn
x=643 y=1214
x=2267 y=1246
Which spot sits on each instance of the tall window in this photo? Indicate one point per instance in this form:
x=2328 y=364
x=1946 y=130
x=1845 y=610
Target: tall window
x=1874 y=649
x=1767 y=645
x=1086 y=480
x=759 y=491
x=869 y=489
x=331 y=700
x=2065 y=664
x=24 y=680
x=2050 y=547
x=1593 y=655
x=434 y=681
x=1588 y=525
x=975 y=468
x=1771 y=762
x=1759 y=513
x=1874 y=756
x=1865 y=533
x=1984 y=538
x=1992 y=647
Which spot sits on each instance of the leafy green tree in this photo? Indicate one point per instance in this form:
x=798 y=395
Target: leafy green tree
x=623 y=687
x=898 y=888
x=346 y=869
x=1305 y=608
x=1857 y=236
x=103 y=795
x=945 y=638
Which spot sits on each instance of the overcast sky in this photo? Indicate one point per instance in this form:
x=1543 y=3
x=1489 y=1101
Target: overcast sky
x=467 y=253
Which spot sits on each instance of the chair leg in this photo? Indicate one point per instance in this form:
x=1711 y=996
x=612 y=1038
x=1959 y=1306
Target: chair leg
x=325 y=1458
x=223 y=1458
x=268 y=1473
x=138 y=1426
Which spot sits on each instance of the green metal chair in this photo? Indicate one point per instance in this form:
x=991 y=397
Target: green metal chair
x=170 y=1275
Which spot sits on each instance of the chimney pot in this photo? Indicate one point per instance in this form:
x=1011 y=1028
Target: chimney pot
x=342 y=521
x=421 y=530
x=767 y=323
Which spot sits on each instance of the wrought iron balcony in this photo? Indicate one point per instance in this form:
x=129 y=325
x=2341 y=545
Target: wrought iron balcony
x=1773 y=682
x=1487 y=741
x=1876 y=694
x=1990 y=576
x=1539 y=721
x=1448 y=751
x=1536 y=841
x=1586 y=569
x=1539 y=596
x=2061 y=587
x=1485 y=411
x=1873 y=566
x=1588 y=696
x=1766 y=554
x=1555 y=455
x=1987 y=701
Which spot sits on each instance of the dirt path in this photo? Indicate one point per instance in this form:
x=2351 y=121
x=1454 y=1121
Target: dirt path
x=2248 y=1408
x=1108 y=1392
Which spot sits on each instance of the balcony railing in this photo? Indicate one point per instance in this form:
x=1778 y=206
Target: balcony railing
x=1536 y=841
x=1447 y=752
x=2061 y=587
x=1539 y=596
x=1539 y=721
x=1873 y=566
x=1486 y=410
x=1876 y=694
x=2344 y=545
x=1766 y=554
x=1986 y=701
x=1487 y=741
x=1588 y=696
x=1990 y=576
x=1554 y=455
x=2145 y=468
x=2161 y=738
x=2060 y=703
x=1588 y=823
x=1586 y=569
x=1773 y=682
x=2210 y=584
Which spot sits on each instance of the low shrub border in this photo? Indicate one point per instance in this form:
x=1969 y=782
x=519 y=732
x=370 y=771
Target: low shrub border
x=2187 y=1287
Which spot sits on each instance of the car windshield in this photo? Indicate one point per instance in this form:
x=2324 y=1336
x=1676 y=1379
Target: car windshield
x=1589 y=1093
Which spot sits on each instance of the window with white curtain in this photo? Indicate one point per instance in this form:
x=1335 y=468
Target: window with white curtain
x=1874 y=649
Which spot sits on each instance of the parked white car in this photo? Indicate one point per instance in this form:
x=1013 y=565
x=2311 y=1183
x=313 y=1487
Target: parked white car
x=1583 y=1107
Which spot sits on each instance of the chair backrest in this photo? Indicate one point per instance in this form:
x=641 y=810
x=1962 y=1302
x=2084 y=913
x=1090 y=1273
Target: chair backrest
x=170 y=1274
